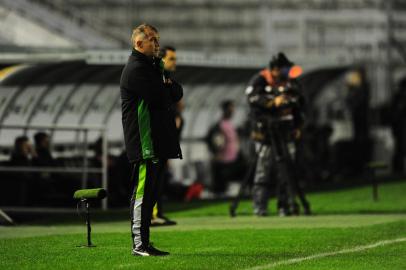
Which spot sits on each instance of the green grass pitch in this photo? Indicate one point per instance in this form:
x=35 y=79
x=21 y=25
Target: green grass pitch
x=348 y=231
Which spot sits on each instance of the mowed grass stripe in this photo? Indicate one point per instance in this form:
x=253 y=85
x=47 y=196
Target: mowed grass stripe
x=329 y=254
x=196 y=249
x=211 y=223
x=206 y=238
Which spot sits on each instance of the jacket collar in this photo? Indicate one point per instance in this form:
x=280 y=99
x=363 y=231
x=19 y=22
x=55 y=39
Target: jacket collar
x=140 y=56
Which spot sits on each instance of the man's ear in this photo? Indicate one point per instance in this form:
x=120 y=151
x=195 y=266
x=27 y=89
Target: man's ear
x=138 y=43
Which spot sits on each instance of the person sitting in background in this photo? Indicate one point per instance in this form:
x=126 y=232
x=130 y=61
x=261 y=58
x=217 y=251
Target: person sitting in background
x=22 y=156
x=42 y=148
x=97 y=160
x=45 y=179
x=23 y=152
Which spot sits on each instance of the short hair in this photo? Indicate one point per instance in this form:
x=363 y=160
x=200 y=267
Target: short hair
x=226 y=104
x=280 y=61
x=140 y=30
x=162 y=51
x=39 y=137
x=18 y=142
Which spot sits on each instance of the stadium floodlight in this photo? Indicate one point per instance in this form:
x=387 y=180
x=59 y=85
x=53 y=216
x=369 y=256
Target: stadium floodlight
x=85 y=196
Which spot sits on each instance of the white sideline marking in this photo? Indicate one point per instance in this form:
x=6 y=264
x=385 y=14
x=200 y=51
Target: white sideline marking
x=327 y=254
x=316 y=256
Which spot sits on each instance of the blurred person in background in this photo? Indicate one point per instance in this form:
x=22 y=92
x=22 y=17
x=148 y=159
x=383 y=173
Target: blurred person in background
x=22 y=155
x=179 y=120
x=44 y=158
x=357 y=101
x=168 y=56
x=398 y=125
x=42 y=148
x=277 y=113
x=223 y=142
x=150 y=133
x=23 y=152
x=117 y=183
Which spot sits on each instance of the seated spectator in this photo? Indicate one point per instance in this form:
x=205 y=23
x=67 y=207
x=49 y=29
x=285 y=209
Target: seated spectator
x=21 y=156
x=45 y=180
x=42 y=147
x=22 y=153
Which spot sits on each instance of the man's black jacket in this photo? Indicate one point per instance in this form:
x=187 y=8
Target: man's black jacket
x=148 y=111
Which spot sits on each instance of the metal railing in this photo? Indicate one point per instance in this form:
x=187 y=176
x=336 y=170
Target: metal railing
x=84 y=169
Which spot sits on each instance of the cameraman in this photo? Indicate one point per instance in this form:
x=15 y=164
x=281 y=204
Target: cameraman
x=277 y=114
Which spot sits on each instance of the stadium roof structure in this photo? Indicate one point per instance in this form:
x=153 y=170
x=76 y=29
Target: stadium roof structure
x=15 y=55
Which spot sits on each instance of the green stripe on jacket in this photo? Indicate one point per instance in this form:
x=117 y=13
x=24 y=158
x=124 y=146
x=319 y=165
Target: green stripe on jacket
x=144 y=125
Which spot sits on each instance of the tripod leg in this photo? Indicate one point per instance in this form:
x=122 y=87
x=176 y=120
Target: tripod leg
x=287 y=175
x=296 y=185
x=302 y=197
x=281 y=183
x=281 y=197
x=244 y=184
x=290 y=191
x=88 y=225
x=260 y=190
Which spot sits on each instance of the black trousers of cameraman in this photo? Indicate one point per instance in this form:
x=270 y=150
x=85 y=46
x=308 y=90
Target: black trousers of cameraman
x=271 y=171
x=262 y=180
x=272 y=166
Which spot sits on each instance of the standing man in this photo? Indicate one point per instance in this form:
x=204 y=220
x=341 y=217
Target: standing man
x=168 y=56
x=398 y=125
x=149 y=130
x=226 y=163
x=277 y=110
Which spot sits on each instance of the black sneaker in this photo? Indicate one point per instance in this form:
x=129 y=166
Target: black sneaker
x=162 y=221
x=295 y=210
x=141 y=251
x=307 y=211
x=261 y=213
x=157 y=221
x=156 y=252
x=283 y=212
x=168 y=222
x=149 y=251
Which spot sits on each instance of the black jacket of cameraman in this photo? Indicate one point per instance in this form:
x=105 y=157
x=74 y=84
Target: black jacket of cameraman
x=148 y=115
x=262 y=90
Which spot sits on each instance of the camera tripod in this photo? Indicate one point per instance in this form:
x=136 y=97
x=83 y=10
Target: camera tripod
x=278 y=133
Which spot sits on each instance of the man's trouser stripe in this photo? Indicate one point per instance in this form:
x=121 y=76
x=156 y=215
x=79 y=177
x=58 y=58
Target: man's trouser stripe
x=142 y=174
